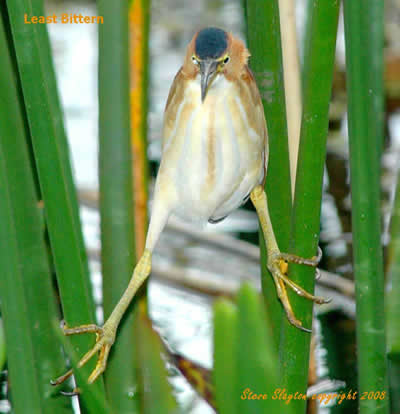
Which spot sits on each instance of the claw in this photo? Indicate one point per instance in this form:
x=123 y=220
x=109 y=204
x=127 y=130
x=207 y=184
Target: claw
x=278 y=265
x=73 y=393
x=292 y=258
x=105 y=335
x=296 y=323
x=104 y=340
x=278 y=262
x=317 y=274
x=61 y=378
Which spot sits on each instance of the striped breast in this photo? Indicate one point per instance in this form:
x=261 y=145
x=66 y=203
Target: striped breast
x=213 y=152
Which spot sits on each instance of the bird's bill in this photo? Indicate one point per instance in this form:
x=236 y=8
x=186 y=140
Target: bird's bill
x=207 y=70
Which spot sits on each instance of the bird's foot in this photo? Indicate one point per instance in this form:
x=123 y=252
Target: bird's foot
x=105 y=337
x=278 y=265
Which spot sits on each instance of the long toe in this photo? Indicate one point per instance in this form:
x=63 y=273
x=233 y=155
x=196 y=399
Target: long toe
x=104 y=340
x=101 y=363
x=61 y=378
x=292 y=258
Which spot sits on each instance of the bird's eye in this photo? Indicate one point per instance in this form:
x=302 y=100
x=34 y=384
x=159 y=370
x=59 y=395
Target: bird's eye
x=194 y=60
x=226 y=60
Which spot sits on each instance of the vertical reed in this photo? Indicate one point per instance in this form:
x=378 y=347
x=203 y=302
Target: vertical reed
x=364 y=58
x=116 y=194
x=318 y=73
x=266 y=62
x=27 y=300
x=51 y=156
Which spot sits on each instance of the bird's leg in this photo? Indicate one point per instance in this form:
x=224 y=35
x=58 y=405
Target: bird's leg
x=277 y=261
x=105 y=335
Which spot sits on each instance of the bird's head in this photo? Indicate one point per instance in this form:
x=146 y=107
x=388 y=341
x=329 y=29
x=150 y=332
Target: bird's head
x=214 y=52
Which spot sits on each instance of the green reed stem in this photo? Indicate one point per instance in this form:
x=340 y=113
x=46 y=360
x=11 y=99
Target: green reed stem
x=364 y=57
x=116 y=195
x=266 y=62
x=51 y=155
x=319 y=62
x=225 y=371
x=155 y=391
x=21 y=357
x=26 y=293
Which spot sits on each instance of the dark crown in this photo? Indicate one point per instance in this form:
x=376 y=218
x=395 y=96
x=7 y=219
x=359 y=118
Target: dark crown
x=211 y=43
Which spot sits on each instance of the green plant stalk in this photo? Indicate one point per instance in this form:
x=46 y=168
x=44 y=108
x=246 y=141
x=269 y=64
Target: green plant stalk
x=257 y=360
x=155 y=391
x=266 y=62
x=3 y=349
x=305 y=39
x=319 y=63
x=27 y=391
x=27 y=299
x=52 y=160
x=116 y=195
x=243 y=5
x=392 y=303
x=97 y=403
x=364 y=57
x=225 y=354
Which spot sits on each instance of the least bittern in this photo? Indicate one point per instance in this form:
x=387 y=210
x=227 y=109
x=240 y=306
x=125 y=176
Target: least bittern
x=214 y=156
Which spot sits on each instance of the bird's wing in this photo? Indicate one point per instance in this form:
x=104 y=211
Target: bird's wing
x=175 y=97
x=261 y=124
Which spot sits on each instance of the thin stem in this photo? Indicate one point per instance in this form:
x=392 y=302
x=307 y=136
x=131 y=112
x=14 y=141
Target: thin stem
x=51 y=155
x=116 y=194
x=319 y=61
x=364 y=58
x=266 y=62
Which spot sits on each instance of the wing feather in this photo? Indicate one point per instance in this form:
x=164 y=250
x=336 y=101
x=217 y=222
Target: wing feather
x=175 y=97
x=258 y=110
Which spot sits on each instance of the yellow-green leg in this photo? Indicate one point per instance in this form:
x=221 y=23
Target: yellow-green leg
x=105 y=335
x=277 y=261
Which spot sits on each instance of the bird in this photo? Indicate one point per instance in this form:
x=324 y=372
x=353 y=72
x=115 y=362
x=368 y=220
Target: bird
x=214 y=157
